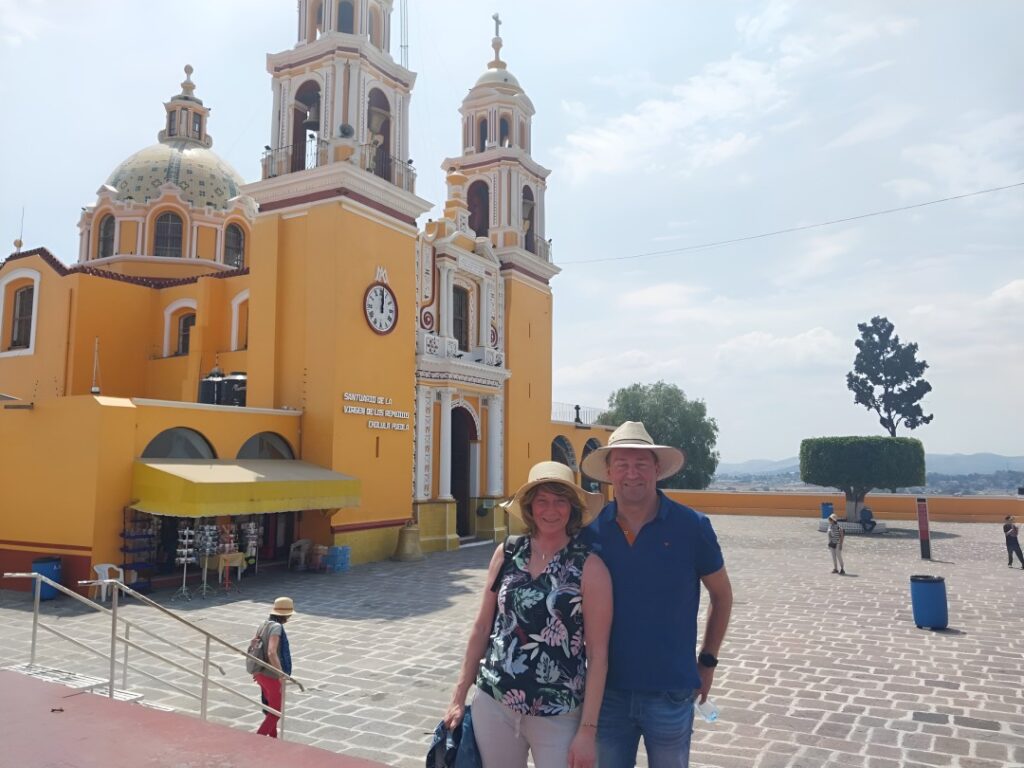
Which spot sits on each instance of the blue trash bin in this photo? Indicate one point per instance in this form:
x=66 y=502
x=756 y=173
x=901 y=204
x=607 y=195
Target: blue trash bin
x=928 y=596
x=826 y=509
x=51 y=568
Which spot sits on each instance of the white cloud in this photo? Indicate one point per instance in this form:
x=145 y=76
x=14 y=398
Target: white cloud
x=878 y=126
x=909 y=189
x=689 y=123
x=1011 y=294
x=835 y=36
x=763 y=27
x=983 y=156
x=20 y=21
x=576 y=110
x=763 y=352
x=819 y=257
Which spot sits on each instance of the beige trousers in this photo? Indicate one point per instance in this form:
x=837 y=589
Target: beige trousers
x=505 y=737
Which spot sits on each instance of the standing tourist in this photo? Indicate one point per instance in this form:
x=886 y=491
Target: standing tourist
x=538 y=651
x=658 y=553
x=836 y=536
x=1011 y=532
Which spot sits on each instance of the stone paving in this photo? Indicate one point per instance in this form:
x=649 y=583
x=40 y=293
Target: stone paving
x=818 y=670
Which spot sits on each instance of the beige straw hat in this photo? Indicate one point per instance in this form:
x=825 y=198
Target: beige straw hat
x=633 y=434
x=555 y=472
x=283 y=606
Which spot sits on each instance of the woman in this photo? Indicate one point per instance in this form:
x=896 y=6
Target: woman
x=836 y=535
x=541 y=631
x=279 y=657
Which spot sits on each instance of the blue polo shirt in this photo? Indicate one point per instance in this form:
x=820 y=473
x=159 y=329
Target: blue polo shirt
x=656 y=587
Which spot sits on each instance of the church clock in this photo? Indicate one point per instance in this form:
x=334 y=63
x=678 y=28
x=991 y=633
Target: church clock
x=381 y=308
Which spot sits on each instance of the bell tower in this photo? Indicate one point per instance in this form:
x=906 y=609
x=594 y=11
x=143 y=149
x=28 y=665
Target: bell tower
x=505 y=186
x=339 y=95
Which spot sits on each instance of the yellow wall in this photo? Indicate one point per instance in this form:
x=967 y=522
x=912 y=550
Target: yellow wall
x=980 y=509
x=206 y=243
x=528 y=390
x=129 y=240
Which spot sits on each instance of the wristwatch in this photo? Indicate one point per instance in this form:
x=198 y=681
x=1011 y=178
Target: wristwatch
x=708 y=660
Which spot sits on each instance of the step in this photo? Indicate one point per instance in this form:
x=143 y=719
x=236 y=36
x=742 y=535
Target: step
x=74 y=680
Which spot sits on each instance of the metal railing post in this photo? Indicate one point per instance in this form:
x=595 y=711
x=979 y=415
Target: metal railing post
x=113 y=641
x=284 y=685
x=35 y=619
x=124 y=669
x=206 y=680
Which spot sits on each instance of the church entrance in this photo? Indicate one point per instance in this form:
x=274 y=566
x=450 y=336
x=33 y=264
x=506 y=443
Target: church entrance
x=463 y=430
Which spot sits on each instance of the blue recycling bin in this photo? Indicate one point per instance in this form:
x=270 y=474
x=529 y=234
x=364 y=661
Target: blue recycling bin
x=826 y=509
x=51 y=568
x=928 y=596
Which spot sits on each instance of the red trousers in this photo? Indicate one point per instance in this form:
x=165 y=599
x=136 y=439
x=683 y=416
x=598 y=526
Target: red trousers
x=271 y=687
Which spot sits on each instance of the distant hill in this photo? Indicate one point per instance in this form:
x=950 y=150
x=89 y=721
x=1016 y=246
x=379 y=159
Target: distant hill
x=940 y=463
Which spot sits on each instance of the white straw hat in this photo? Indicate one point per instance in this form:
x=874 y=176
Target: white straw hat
x=560 y=474
x=633 y=434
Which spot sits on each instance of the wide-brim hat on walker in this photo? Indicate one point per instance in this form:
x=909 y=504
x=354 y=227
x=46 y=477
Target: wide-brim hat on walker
x=283 y=606
x=833 y=518
x=559 y=474
x=633 y=435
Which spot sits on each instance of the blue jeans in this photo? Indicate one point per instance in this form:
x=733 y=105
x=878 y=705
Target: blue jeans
x=663 y=718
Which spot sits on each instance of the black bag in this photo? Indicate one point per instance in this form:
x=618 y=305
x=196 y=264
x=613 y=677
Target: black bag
x=832 y=545
x=258 y=648
x=510 y=546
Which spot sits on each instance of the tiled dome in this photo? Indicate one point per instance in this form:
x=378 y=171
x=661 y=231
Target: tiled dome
x=203 y=178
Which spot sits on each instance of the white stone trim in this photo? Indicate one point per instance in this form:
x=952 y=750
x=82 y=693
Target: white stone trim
x=21 y=274
x=145 y=401
x=169 y=311
x=236 y=304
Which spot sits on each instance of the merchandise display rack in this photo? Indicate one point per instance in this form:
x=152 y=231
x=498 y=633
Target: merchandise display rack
x=184 y=556
x=140 y=535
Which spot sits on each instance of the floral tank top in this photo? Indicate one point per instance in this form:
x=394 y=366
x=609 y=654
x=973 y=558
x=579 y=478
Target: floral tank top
x=535 y=663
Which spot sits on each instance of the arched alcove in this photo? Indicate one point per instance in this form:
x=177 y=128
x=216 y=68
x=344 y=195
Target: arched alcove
x=179 y=443
x=478 y=196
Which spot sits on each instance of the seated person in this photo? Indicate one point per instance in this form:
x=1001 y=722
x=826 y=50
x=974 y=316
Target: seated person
x=867 y=520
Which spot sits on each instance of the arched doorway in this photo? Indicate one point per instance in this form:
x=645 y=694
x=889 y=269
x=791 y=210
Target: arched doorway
x=563 y=452
x=305 y=126
x=463 y=432
x=589 y=483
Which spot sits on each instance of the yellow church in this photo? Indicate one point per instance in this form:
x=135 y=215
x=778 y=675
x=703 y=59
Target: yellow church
x=292 y=358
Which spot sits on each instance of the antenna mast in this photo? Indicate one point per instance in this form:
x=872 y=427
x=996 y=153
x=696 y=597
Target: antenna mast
x=403 y=14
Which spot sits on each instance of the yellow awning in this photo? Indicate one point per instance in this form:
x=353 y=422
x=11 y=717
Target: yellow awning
x=211 y=488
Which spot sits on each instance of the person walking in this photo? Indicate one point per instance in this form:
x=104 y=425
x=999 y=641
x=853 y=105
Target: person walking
x=538 y=650
x=836 y=536
x=1011 y=531
x=279 y=657
x=659 y=553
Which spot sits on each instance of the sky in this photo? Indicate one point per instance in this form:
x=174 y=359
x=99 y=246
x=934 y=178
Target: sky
x=670 y=126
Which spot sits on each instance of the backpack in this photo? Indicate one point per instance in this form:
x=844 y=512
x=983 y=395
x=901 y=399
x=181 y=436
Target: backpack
x=258 y=648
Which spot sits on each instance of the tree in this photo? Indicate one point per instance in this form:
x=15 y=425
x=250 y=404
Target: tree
x=856 y=465
x=671 y=419
x=886 y=377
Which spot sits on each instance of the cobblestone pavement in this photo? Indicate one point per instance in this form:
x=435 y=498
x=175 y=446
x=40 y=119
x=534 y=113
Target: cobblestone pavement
x=817 y=670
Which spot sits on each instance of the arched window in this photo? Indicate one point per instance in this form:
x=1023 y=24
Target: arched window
x=504 y=129
x=167 y=240
x=379 y=125
x=21 y=325
x=172 y=123
x=479 y=198
x=266 y=445
x=106 y=242
x=185 y=324
x=460 y=317
x=346 y=17
x=589 y=483
x=529 y=236
x=234 y=246
x=481 y=132
x=179 y=443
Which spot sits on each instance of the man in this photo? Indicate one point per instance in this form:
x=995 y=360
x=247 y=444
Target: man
x=659 y=553
x=1011 y=532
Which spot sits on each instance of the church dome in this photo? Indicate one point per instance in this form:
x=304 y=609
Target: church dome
x=498 y=78
x=203 y=178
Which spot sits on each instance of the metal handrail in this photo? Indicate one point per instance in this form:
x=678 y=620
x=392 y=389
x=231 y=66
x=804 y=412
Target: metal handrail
x=118 y=587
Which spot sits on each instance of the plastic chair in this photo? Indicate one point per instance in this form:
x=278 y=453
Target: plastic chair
x=298 y=553
x=103 y=572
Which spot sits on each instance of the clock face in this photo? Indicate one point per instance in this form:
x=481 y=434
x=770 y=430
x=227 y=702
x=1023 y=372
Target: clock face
x=381 y=308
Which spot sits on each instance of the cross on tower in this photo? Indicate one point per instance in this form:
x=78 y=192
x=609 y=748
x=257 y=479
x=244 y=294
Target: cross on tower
x=497 y=25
